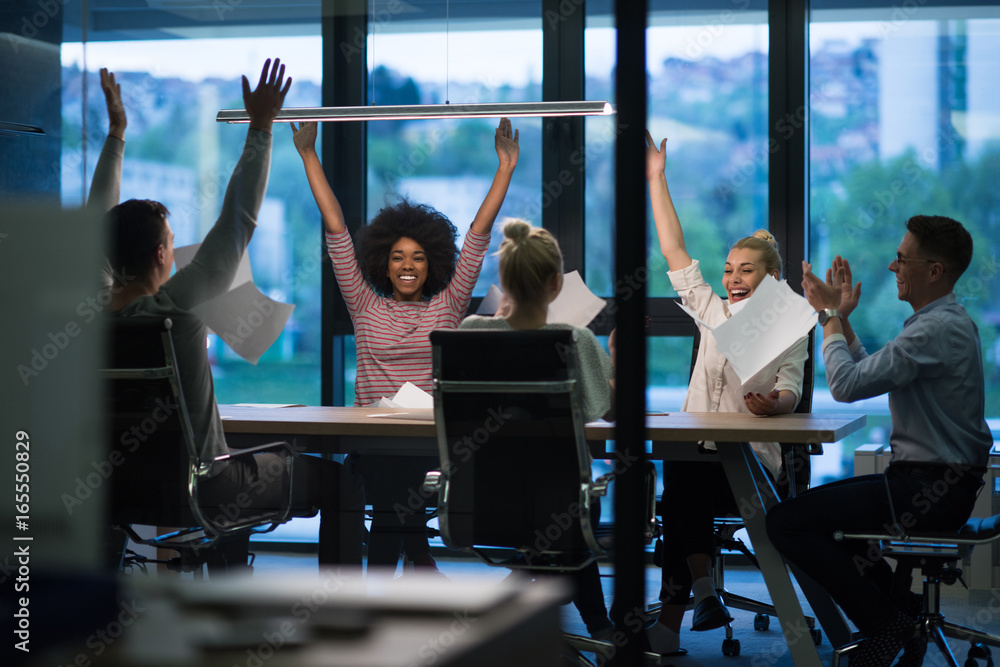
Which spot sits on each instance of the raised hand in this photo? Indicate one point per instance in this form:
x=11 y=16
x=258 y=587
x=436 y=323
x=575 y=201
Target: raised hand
x=264 y=103
x=506 y=144
x=304 y=137
x=840 y=275
x=656 y=160
x=113 y=98
x=818 y=293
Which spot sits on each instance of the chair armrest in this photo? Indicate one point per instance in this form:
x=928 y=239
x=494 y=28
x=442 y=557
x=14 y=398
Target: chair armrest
x=432 y=481
x=257 y=449
x=599 y=487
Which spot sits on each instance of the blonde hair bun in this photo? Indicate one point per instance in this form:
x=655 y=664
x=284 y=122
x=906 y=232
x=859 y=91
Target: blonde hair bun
x=767 y=236
x=516 y=230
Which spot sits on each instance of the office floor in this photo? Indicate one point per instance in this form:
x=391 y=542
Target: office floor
x=980 y=609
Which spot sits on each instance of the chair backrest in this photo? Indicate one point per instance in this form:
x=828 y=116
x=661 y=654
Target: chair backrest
x=796 y=465
x=514 y=462
x=152 y=447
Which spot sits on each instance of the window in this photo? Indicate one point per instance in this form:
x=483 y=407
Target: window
x=903 y=122
x=178 y=154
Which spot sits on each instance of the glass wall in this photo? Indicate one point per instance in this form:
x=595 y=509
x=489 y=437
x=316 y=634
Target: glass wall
x=174 y=80
x=904 y=121
x=707 y=94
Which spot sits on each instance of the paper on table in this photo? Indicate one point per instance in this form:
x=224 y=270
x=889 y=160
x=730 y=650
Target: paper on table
x=408 y=396
x=772 y=320
x=245 y=318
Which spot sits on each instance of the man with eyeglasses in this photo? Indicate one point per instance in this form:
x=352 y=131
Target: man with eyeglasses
x=933 y=374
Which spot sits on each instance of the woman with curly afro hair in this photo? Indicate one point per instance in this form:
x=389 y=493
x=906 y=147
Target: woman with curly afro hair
x=404 y=279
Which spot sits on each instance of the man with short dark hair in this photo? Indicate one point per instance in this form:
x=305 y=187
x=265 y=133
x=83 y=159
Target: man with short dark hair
x=933 y=373
x=140 y=258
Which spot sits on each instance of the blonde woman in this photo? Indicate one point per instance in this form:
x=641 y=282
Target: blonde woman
x=531 y=275
x=701 y=489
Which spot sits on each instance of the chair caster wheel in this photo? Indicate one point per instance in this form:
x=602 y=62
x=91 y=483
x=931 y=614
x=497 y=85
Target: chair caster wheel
x=979 y=651
x=731 y=647
x=817 y=636
x=761 y=622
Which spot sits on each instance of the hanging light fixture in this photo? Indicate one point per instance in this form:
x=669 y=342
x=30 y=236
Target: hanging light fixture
x=424 y=111
x=19 y=128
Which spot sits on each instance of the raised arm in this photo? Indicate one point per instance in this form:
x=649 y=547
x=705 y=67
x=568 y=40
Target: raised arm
x=507 y=151
x=668 y=225
x=214 y=266
x=105 y=188
x=329 y=208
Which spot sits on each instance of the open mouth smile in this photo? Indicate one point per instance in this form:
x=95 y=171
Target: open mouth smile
x=738 y=294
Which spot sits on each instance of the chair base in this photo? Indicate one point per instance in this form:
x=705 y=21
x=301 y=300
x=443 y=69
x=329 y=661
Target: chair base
x=935 y=629
x=604 y=650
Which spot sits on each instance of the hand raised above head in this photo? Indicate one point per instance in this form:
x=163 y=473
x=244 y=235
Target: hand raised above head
x=507 y=146
x=264 y=103
x=304 y=137
x=656 y=160
x=117 y=120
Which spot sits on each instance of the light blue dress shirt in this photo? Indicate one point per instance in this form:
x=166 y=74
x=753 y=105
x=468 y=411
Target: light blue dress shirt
x=933 y=373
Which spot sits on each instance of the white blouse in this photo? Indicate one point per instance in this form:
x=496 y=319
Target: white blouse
x=714 y=385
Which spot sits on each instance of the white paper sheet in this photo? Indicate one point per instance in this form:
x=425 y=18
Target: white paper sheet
x=408 y=396
x=245 y=318
x=576 y=304
x=184 y=255
x=491 y=302
x=770 y=322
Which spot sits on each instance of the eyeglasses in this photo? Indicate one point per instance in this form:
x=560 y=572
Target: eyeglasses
x=903 y=261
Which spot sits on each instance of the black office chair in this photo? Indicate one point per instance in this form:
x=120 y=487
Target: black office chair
x=158 y=470
x=515 y=485
x=792 y=480
x=510 y=436
x=937 y=555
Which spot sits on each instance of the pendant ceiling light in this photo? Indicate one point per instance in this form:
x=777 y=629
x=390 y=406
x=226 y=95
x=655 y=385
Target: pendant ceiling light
x=424 y=111
x=18 y=128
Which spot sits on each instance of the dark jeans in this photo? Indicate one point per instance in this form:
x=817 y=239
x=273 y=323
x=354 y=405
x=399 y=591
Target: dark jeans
x=258 y=482
x=393 y=487
x=926 y=497
x=694 y=493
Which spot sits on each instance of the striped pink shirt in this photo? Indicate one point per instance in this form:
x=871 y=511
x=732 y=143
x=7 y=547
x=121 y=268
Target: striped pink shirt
x=393 y=337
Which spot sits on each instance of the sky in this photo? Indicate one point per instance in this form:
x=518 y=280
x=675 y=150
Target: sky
x=464 y=57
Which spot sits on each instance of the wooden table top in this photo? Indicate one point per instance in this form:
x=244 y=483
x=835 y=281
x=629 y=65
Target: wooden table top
x=673 y=427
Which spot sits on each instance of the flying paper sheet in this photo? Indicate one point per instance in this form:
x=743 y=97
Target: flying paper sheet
x=491 y=302
x=575 y=305
x=246 y=319
x=762 y=327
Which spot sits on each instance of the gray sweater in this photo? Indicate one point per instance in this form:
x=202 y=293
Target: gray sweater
x=208 y=275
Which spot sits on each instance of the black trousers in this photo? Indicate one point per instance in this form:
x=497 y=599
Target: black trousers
x=925 y=496
x=258 y=482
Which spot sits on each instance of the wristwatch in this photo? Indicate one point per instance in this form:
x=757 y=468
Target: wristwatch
x=826 y=314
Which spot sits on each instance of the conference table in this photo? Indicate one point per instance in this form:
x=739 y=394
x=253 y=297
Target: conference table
x=674 y=436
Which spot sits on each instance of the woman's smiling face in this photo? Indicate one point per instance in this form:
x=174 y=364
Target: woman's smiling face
x=743 y=272
x=407 y=269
